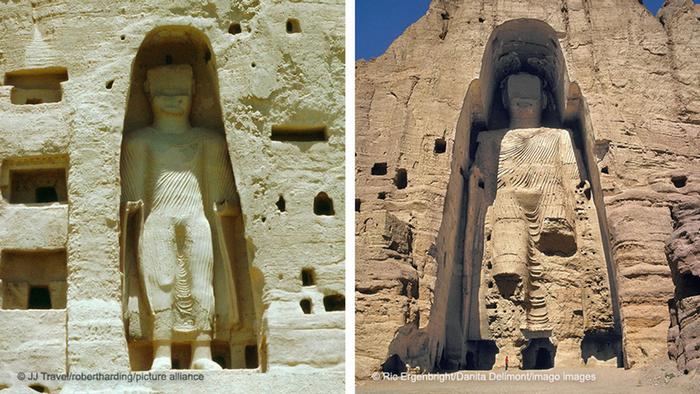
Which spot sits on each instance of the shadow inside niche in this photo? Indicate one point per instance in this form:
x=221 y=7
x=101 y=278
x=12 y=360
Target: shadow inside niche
x=600 y=346
x=481 y=355
x=394 y=365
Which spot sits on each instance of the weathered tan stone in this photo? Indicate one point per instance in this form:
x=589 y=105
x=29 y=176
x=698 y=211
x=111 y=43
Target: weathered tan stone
x=638 y=75
x=683 y=251
x=74 y=92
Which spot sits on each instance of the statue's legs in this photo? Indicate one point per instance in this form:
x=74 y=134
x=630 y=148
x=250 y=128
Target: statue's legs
x=510 y=239
x=157 y=266
x=201 y=258
x=558 y=235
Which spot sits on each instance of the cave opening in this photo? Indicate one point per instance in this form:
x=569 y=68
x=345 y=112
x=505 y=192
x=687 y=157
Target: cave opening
x=480 y=355
x=539 y=354
x=601 y=347
x=394 y=365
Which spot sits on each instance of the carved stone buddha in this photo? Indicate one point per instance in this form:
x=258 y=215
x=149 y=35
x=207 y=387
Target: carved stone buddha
x=176 y=181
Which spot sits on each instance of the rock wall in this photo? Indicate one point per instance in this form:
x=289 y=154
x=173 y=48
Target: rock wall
x=639 y=77
x=683 y=251
x=278 y=63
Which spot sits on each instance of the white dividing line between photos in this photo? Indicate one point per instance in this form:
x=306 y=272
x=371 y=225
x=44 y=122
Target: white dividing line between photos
x=349 y=196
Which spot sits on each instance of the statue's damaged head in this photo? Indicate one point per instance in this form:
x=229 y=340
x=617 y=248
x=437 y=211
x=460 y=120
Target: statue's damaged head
x=524 y=98
x=170 y=89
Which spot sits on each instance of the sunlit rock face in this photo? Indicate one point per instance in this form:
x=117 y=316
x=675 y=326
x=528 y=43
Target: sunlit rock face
x=172 y=192
x=683 y=251
x=624 y=94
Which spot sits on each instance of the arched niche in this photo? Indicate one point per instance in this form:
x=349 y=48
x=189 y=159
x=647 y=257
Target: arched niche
x=236 y=344
x=509 y=50
x=519 y=45
x=176 y=45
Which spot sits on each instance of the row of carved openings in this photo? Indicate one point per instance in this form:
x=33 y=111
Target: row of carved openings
x=323 y=205
x=331 y=302
x=292 y=26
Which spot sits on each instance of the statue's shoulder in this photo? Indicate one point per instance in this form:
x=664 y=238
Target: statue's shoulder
x=555 y=130
x=542 y=131
x=491 y=135
x=139 y=137
x=210 y=136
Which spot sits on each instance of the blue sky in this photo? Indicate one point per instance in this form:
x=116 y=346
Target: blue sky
x=379 y=22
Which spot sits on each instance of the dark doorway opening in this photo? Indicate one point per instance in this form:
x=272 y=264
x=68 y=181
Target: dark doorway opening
x=39 y=297
x=539 y=354
x=394 y=365
x=544 y=359
x=600 y=346
x=481 y=355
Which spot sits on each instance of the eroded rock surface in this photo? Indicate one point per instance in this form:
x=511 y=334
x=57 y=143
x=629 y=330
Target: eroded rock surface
x=269 y=80
x=639 y=76
x=683 y=251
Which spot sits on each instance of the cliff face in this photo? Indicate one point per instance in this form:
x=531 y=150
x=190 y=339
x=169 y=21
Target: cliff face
x=683 y=251
x=74 y=69
x=639 y=77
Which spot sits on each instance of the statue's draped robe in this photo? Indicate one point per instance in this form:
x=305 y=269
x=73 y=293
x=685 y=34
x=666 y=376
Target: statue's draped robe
x=533 y=197
x=172 y=255
x=537 y=175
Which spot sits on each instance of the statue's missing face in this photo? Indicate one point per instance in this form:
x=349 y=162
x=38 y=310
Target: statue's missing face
x=170 y=90
x=523 y=96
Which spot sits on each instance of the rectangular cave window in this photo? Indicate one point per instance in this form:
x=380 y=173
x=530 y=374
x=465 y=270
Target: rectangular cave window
x=440 y=145
x=323 y=205
x=32 y=86
x=294 y=133
x=334 y=303
x=34 y=179
x=308 y=277
x=379 y=169
x=305 y=305
x=293 y=26
x=358 y=204
x=401 y=178
x=38 y=186
x=33 y=279
x=235 y=28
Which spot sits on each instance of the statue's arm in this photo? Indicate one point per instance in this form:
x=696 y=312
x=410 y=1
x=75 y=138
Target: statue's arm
x=570 y=158
x=133 y=170
x=133 y=178
x=220 y=180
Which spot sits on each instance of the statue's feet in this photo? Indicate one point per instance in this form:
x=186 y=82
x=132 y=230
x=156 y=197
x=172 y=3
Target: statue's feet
x=206 y=364
x=161 y=364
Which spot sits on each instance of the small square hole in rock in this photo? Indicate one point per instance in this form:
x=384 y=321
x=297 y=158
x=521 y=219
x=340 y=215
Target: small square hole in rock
x=378 y=169
x=334 y=302
x=308 y=277
x=440 y=145
x=305 y=305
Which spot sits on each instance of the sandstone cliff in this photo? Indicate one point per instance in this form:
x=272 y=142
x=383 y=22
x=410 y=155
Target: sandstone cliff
x=275 y=65
x=639 y=76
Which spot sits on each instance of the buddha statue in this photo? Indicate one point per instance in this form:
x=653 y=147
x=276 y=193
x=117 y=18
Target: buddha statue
x=177 y=181
x=534 y=193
